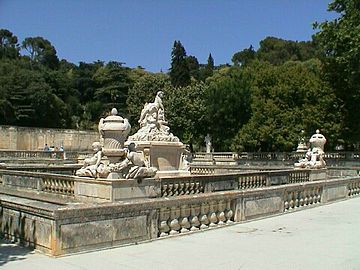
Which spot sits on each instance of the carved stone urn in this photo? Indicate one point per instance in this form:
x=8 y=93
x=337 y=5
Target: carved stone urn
x=113 y=132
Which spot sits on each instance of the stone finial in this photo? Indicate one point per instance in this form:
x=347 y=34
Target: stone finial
x=114 y=111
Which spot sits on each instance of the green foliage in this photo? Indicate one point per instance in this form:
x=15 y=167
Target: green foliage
x=227 y=105
x=340 y=43
x=277 y=51
x=112 y=83
x=144 y=91
x=179 y=71
x=9 y=47
x=194 y=67
x=207 y=70
x=185 y=111
x=244 y=57
x=41 y=52
x=285 y=100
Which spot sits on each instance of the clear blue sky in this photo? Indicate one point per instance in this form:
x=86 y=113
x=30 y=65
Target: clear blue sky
x=142 y=32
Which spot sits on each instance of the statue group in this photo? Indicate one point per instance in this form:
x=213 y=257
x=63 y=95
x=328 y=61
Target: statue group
x=116 y=155
x=314 y=157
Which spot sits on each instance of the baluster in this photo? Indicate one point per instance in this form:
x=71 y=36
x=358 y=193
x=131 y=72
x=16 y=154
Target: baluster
x=286 y=202
x=306 y=199
x=297 y=201
x=315 y=198
x=194 y=220
x=229 y=213
x=319 y=195
x=187 y=188
x=221 y=213
x=170 y=189
x=176 y=189
x=182 y=188
x=311 y=197
x=203 y=216
x=184 y=221
x=213 y=214
x=292 y=202
x=174 y=223
x=301 y=201
x=164 y=228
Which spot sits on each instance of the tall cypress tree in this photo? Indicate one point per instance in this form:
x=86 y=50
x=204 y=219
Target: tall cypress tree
x=210 y=65
x=179 y=71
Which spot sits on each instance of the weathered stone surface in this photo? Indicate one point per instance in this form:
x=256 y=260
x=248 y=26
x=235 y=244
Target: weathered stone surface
x=70 y=227
x=25 y=138
x=256 y=207
x=103 y=231
x=21 y=181
x=333 y=193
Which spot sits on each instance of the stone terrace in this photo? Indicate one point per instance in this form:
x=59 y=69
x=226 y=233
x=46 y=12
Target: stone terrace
x=322 y=238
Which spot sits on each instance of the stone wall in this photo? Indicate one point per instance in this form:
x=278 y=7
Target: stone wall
x=25 y=138
x=62 y=229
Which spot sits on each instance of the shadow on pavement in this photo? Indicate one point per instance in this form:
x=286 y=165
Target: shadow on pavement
x=11 y=252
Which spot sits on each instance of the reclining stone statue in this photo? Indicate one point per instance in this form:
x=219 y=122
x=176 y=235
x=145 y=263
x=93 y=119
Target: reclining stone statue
x=93 y=166
x=133 y=165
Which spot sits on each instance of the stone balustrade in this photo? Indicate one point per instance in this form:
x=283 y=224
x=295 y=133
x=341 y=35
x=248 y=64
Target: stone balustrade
x=59 y=229
x=299 y=176
x=116 y=190
x=298 y=197
x=30 y=154
x=58 y=186
x=202 y=170
x=195 y=216
x=353 y=188
x=280 y=156
x=44 y=182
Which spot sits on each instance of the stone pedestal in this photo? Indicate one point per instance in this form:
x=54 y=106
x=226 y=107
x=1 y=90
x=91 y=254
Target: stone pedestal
x=165 y=156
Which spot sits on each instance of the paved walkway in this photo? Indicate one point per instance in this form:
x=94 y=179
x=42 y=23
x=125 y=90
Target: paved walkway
x=326 y=237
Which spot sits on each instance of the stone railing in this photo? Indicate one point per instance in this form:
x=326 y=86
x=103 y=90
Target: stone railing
x=280 y=156
x=45 y=182
x=58 y=186
x=353 y=188
x=297 y=197
x=195 y=216
x=216 y=155
x=202 y=170
x=232 y=181
x=299 y=176
x=253 y=180
x=31 y=154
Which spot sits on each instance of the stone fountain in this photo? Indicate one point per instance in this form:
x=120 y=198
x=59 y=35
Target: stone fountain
x=151 y=150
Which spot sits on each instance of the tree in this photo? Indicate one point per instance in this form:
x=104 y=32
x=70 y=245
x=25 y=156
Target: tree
x=185 y=111
x=244 y=57
x=41 y=51
x=112 y=83
x=194 y=66
x=228 y=105
x=277 y=51
x=144 y=91
x=340 y=43
x=179 y=71
x=285 y=100
x=9 y=47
